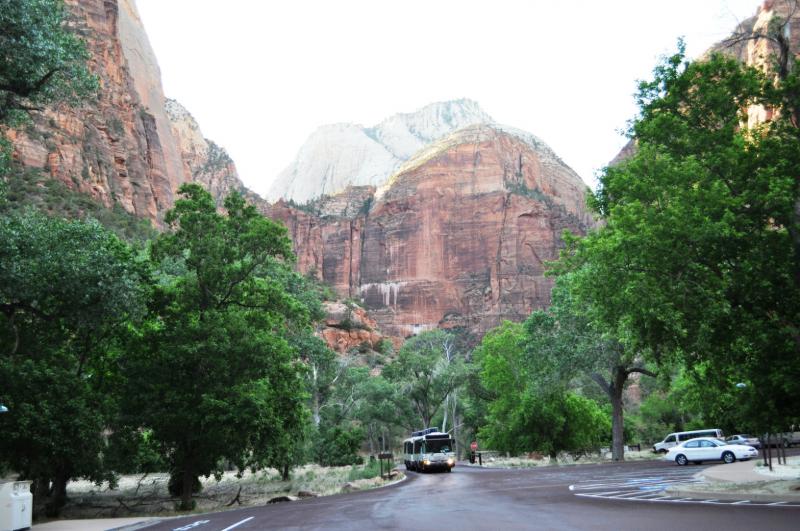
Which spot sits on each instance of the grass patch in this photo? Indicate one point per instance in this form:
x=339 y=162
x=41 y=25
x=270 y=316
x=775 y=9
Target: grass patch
x=368 y=471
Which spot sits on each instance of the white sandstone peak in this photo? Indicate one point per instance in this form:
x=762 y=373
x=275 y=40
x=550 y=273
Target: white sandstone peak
x=338 y=155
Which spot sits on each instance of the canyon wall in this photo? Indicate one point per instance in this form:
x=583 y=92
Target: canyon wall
x=130 y=145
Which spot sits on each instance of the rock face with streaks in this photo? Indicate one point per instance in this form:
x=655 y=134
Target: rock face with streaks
x=457 y=237
x=131 y=145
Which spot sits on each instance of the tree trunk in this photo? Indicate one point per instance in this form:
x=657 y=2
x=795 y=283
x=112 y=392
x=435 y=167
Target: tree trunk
x=186 y=491
x=40 y=488
x=617 y=422
x=617 y=427
x=315 y=406
x=371 y=440
x=285 y=472
x=59 y=497
x=444 y=419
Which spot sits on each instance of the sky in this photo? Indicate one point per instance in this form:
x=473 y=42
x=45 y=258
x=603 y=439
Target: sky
x=261 y=76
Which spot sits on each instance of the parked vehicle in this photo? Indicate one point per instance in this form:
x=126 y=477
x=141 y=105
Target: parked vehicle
x=743 y=438
x=791 y=438
x=786 y=438
x=680 y=436
x=708 y=449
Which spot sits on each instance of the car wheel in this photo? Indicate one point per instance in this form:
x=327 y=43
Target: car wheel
x=681 y=460
x=728 y=457
x=662 y=451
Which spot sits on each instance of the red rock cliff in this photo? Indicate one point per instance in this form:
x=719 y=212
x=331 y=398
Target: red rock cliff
x=125 y=147
x=458 y=237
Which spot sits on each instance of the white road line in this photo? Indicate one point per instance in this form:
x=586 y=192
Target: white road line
x=740 y=502
x=777 y=503
x=187 y=527
x=237 y=524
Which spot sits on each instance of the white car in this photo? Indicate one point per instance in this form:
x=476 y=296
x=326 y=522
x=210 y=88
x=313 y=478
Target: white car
x=744 y=439
x=709 y=449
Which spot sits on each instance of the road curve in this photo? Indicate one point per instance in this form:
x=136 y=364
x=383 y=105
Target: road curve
x=474 y=498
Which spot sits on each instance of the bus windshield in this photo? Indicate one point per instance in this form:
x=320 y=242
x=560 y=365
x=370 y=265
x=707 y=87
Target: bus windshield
x=436 y=446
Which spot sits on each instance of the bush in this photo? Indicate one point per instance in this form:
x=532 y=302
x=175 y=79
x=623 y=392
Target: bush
x=337 y=446
x=134 y=452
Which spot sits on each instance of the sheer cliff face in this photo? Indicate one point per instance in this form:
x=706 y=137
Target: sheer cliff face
x=458 y=237
x=125 y=146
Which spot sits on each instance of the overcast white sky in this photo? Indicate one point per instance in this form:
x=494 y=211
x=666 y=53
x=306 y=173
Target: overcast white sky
x=260 y=76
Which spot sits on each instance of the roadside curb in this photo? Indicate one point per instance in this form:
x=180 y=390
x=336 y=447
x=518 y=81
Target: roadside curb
x=140 y=525
x=679 y=490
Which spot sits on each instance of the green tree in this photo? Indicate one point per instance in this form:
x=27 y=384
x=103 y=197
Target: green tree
x=68 y=290
x=568 y=339
x=42 y=61
x=212 y=375
x=698 y=255
x=376 y=411
x=529 y=411
x=428 y=371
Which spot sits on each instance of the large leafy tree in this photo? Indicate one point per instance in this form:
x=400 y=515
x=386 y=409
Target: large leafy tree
x=42 y=61
x=529 y=409
x=428 y=372
x=212 y=375
x=698 y=253
x=68 y=290
x=569 y=340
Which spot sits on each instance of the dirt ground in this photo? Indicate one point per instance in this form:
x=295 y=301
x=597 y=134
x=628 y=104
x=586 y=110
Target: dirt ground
x=147 y=495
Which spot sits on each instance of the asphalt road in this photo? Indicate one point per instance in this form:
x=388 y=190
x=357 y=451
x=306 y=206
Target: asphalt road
x=494 y=499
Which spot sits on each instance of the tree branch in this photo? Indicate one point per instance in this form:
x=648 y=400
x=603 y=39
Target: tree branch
x=642 y=370
x=599 y=380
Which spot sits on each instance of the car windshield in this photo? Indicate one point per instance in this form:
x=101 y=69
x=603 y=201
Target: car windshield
x=745 y=436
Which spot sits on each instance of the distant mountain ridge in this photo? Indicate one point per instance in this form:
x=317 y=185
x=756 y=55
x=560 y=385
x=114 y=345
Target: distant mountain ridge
x=340 y=155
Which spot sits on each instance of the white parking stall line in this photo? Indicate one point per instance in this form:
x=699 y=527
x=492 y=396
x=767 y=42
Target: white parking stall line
x=741 y=502
x=632 y=494
x=777 y=503
x=237 y=524
x=649 y=496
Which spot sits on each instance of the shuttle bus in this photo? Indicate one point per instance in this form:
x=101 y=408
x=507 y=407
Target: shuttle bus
x=429 y=449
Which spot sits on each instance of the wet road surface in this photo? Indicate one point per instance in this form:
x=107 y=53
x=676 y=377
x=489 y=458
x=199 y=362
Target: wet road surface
x=475 y=498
